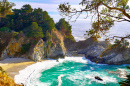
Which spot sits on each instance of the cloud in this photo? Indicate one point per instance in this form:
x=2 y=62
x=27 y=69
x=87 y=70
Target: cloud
x=47 y=7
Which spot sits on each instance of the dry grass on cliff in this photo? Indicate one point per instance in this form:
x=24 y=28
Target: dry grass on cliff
x=5 y=80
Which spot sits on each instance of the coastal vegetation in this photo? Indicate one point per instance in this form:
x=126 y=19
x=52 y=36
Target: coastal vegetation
x=32 y=22
x=65 y=28
x=4 y=29
x=104 y=14
x=34 y=31
x=120 y=45
x=5 y=80
x=35 y=24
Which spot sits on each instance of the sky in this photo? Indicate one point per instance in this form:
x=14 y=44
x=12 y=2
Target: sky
x=49 y=5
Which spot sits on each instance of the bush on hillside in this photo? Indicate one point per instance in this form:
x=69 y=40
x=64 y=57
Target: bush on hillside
x=5 y=80
x=25 y=48
x=65 y=28
x=35 y=31
x=5 y=29
x=120 y=45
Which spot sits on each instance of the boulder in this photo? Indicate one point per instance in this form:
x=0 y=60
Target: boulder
x=57 y=50
x=93 y=53
x=37 y=53
x=98 y=78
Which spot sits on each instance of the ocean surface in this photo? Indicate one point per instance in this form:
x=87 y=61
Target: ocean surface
x=80 y=27
x=71 y=71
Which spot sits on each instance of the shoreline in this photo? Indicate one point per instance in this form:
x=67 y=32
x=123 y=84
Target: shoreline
x=35 y=70
x=13 y=65
x=23 y=70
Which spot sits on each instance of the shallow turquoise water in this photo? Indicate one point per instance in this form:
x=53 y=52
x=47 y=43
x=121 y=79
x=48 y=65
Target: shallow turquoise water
x=70 y=73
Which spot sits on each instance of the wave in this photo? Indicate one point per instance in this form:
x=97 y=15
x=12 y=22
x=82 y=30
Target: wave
x=106 y=79
x=25 y=75
x=30 y=75
x=59 y=80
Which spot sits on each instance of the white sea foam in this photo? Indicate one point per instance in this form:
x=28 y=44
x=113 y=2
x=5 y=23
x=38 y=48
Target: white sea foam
x=59 y=80
x=34 y=70
x=75 y=59
x=106 y=79
x=122 y=73
x=27 y=75
x=30 y=75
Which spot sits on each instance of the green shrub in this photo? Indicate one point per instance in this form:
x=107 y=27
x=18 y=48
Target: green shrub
x=120 y=45
x=49 y=43
x=25 y=48
x=34 y=42
x=5 y=29
x=35 y=31
x=65 y=28
x=70 y=39
x=2 y=70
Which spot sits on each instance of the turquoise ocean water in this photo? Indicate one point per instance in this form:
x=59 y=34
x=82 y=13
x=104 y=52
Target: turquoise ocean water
x=76 y=73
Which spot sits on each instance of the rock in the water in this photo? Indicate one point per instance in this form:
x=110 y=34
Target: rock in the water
x=98 y=78
x=57 y=60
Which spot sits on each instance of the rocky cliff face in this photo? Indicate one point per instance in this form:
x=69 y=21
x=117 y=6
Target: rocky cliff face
x=94 y=51
x=36 y=49
x=57 y=49
x=13 y=47
x=37 y=52
x=74 y=49
x=114 y=57
x=31 y=48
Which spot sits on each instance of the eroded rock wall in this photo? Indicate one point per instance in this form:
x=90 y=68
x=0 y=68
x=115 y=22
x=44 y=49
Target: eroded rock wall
x=58 y=49
x=32 y=48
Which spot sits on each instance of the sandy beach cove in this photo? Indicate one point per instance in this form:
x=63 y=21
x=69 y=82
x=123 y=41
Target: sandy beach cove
x=13 y=65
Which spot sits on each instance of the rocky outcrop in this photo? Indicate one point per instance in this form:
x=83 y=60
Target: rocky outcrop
x=118 y=57
x=98 y=78
x=94 y=51
x=74 y=49
x=36 y=49
x=38 y=52
x=15 y=47
x=57 y=49
x=32 y=48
